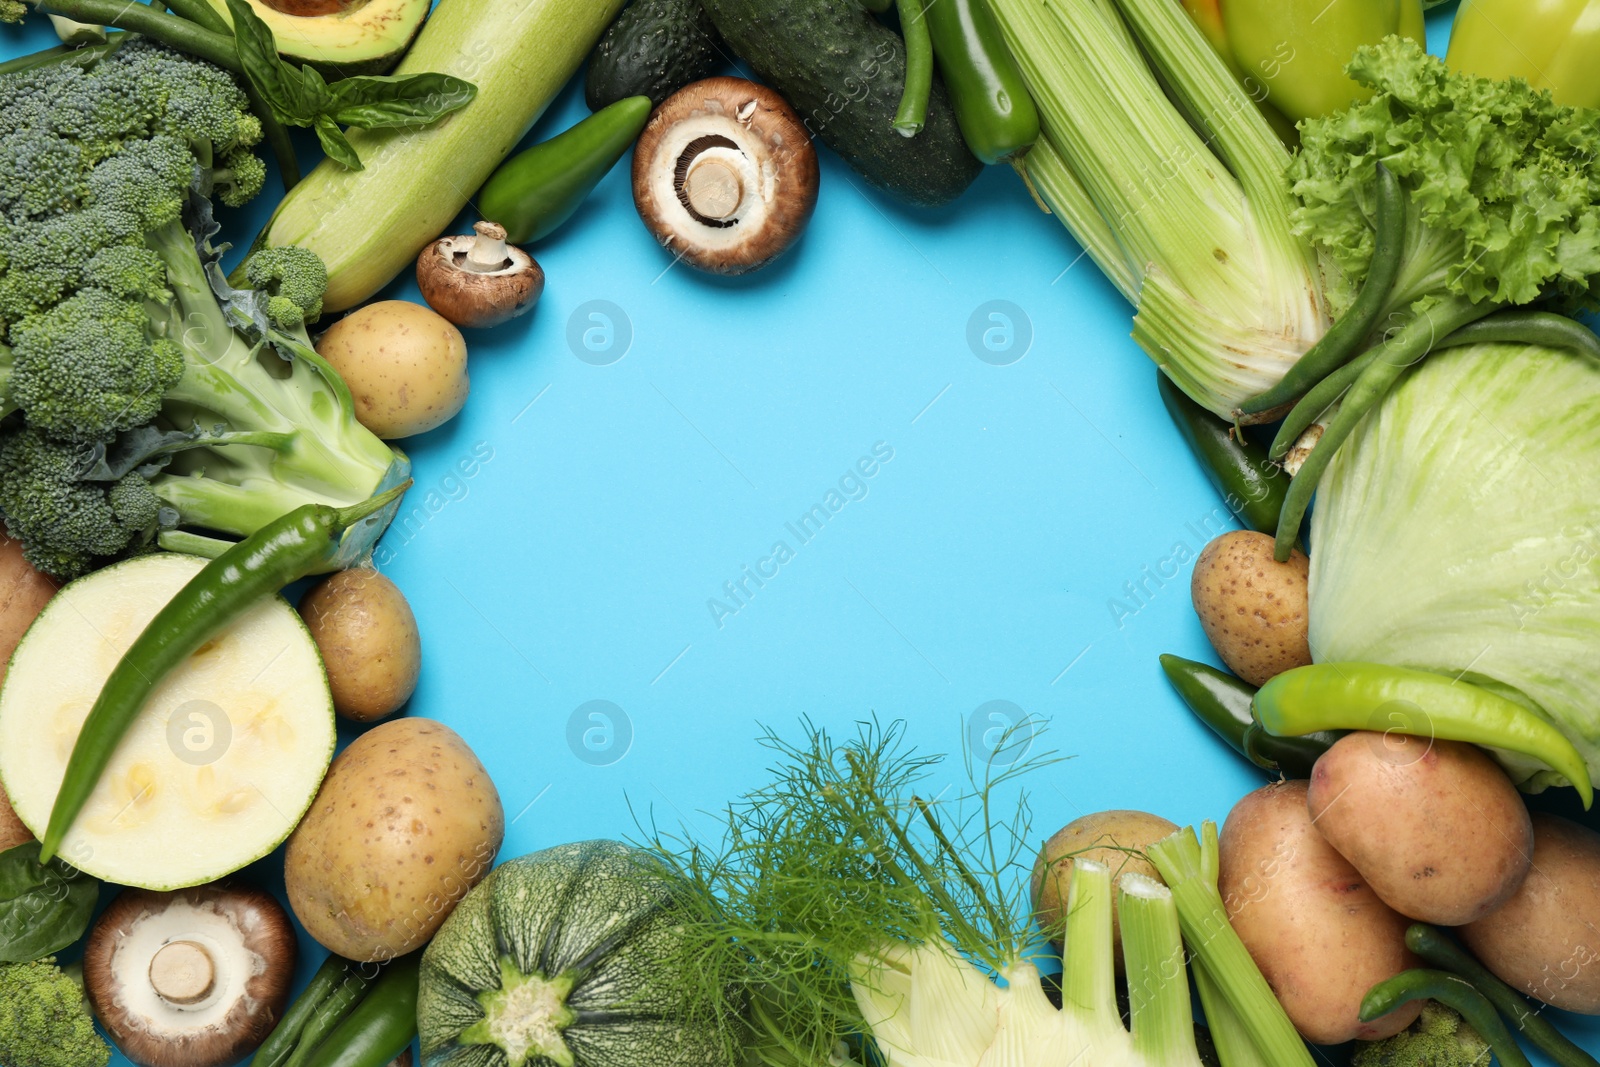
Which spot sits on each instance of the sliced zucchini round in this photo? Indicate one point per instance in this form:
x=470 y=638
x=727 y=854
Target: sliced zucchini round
x=223 y=761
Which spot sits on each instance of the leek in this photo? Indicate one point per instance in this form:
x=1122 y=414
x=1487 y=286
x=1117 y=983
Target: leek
x=1174 y=185
x=849 y=920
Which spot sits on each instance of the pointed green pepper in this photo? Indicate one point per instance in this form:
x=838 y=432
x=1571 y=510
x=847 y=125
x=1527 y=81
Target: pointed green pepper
x=534 y=192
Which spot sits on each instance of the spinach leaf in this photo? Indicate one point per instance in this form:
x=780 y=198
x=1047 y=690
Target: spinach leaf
x=44 y=907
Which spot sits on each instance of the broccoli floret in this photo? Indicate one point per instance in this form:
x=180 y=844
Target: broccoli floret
x=68 y=524
x=295 y=278
x=12 y=10
x=1439 y=1038
x=44 y=1021
x=144 y=398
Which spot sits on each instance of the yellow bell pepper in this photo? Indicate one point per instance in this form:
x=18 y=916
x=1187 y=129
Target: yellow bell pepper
x=1291 y=54
x=1553 y=44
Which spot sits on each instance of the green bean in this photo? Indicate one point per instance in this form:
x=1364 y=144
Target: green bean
x=332 y=1012
x=913 y=113
x=1435 y=948
x=1453 y=992
x=186 y=36
x=1544 y=328
x=1339 y=343
x=281 y=1042
x=1319 y=399
x=1411 y=344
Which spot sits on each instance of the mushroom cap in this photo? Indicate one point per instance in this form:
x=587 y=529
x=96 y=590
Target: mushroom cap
x=725 y=175
x=468 y=294
x=223 y=955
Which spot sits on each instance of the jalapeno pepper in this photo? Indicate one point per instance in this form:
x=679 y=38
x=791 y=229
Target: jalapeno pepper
x=1252 y=486
x=1435 y=948
x=1372 y=696
x=1453 y=992
x=996 y=114
x=1223 y=703
x=301 y=543
x=534 y=192
x=381 y=1026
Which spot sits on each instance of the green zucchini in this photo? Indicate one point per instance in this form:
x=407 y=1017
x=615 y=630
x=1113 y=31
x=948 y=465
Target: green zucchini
x=561 y=958
x=655 y=48
x=843 y=71
x=369 y=225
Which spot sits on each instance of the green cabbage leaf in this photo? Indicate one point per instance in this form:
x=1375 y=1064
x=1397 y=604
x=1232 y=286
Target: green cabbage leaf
x=1458 y=531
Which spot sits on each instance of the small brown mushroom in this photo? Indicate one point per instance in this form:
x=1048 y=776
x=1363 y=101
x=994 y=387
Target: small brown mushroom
x=477 y=281
x=725 y=175
x=193 y=978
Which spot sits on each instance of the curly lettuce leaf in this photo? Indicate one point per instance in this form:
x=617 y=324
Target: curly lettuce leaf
x=1503 y=183
x=1457 y=532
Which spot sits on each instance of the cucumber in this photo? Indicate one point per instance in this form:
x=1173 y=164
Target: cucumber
x=369 y=225
x=655 y=48
x=843 y=71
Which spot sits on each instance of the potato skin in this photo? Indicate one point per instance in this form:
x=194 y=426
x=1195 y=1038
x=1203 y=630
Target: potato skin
x=406 y=823
x=1435 y=827
x=1545 y=940
x=1253 y=608
x=1318 y=932
x=1100 y=837
x=405 y=364
x=24 y=592
x=369 y=642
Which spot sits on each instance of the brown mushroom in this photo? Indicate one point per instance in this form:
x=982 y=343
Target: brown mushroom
x=192 y=978
x=477 y=280
x=725 y=175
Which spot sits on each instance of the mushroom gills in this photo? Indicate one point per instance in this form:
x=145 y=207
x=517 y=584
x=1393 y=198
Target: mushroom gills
x=710 y=179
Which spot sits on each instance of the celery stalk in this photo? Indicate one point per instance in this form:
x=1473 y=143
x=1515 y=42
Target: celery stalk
x=1187 y=180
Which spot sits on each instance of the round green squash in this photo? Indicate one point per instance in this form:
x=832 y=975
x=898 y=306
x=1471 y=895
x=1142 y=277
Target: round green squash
x=563 y=958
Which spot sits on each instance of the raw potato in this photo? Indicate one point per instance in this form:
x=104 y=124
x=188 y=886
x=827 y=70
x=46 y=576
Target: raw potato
x=1102 y=837
x=23 y=594
x=1318 y=932
x=12 y=832
x=406 y=366
x=1545 y=940
x=369 y=641
x=1435 y=827
x=1252 y=607
x=406 y=823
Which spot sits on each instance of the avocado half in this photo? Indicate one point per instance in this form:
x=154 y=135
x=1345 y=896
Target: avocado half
x=341 y=37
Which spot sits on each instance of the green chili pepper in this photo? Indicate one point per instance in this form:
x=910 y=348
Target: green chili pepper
x=381 y=1026
x=1223 y=703
x=913 y=112
x=1339 y=343
x=301 y=543
x=1435 y=948
x=1552 y=44
x=353 y=990
x=1516 y=326
x=1252 y=486
x=535 y=192
x=992 y=104
x=1372 y=696
x=1452 y=992
x=275 y=1050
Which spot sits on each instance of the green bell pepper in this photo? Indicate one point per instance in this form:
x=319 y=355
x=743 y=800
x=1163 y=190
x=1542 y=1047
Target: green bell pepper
x=1553 y=44
x=1291 y=54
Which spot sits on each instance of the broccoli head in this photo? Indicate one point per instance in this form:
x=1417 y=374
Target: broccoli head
x=142 y=398
x=1439 y=1038
x=44 y=1021
x=294 y=279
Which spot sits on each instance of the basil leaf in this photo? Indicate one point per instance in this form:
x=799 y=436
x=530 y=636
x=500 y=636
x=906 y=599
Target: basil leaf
x=278 y=83
x=43 y=907
x=398 y=103
x=335 y=145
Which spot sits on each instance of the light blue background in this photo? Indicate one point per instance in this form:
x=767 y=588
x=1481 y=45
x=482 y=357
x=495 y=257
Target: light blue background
x=984 y=563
